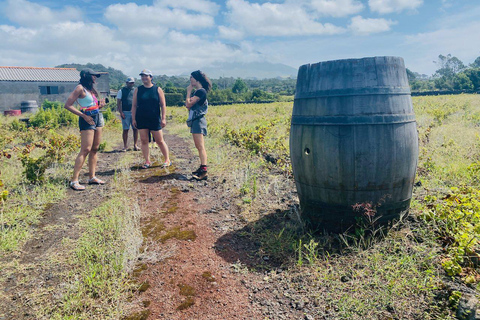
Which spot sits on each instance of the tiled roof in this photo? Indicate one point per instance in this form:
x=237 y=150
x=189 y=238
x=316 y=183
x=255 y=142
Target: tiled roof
x=39 y=74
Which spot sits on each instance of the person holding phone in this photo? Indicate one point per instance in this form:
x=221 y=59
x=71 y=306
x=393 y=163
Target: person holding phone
x=90 y=122
x=149 y=115
x=197 y=106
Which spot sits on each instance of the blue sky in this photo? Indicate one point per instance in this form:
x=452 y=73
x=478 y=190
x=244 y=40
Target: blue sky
x=176 y=36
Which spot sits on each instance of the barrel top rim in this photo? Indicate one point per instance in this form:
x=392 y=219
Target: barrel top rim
x=352 y=59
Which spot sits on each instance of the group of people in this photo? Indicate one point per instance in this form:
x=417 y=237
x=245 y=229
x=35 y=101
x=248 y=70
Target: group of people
x=144 y=110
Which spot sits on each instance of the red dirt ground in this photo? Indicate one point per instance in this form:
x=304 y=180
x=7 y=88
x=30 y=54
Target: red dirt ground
x=193 y=282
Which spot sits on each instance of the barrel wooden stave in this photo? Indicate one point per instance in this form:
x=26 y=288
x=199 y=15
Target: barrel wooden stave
x=359 y=115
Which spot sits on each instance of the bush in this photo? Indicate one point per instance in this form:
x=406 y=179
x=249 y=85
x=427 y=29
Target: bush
x=17 y=125
x=108 y=115
x=457 y=221
x=52 y=114
x=56 y=148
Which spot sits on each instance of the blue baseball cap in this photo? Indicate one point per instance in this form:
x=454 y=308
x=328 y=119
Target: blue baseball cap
x=130 y=79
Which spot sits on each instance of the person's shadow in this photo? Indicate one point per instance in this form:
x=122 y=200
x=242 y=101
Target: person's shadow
x=170 y=176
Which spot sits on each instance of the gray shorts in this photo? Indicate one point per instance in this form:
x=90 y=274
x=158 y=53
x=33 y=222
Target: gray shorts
x=199 y=126
x=97 y=118
x=127 y=122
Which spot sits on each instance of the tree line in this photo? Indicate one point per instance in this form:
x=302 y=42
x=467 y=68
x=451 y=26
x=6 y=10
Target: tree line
x=224 y=89
x=452 y=75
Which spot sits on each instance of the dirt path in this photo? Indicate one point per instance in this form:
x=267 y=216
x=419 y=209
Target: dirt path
x=193 y=263
x=183 y=220
x=35 y=272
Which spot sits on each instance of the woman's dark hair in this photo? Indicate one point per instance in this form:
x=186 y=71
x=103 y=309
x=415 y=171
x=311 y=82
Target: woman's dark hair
x=203 y=79
x=87 y=82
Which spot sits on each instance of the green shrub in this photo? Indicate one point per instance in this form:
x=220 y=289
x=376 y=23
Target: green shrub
x=52 y=114
x=108 y=115
x=56 y=148
x=17 y=125
x=457 y=221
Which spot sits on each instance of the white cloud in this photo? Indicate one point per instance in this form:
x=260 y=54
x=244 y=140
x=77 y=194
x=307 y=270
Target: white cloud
x=68 y=37
x=203 y=6
x=144 y=21
x=230 y=33
x=274 y=19
x=174 y=53
x=362 y=26
x=389 y=6
x=27 y=13
x=337 y=8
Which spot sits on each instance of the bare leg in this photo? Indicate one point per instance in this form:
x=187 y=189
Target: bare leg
x=125 y=139
x=144 y=144
x=92 y=157
x=158 y=136
x=86 y=137
x=135 y=138
x=200 y=145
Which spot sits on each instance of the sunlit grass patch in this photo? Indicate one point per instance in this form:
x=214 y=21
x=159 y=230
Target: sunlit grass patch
x=101 y=261
x=395 y=278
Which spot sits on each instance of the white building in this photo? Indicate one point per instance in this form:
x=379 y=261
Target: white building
x=19 y=84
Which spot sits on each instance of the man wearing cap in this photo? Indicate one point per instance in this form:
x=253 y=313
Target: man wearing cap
x=124 y=104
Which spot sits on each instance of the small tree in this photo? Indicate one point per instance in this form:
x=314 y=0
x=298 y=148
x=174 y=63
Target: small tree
x=448 y=66
x=239 y=86
x=462 y=82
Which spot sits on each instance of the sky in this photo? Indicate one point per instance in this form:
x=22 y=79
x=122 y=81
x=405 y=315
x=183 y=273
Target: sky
x=177 y=36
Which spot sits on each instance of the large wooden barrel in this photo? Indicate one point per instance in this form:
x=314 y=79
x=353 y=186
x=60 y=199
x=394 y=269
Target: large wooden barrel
x=353 y=140
x=29 y=106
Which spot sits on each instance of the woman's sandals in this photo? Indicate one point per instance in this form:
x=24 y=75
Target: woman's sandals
x=75 y=185
x=95 y=180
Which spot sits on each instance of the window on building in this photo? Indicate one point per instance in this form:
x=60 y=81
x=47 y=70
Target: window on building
x=48 y=89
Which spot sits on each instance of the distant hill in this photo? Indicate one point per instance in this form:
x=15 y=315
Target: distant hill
x=116 y=77
x=252 y=70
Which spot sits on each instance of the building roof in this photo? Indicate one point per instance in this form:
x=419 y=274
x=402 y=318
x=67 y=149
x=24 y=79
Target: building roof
x=39 y=74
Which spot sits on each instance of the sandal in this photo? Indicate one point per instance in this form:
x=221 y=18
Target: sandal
x=75 y=185
x=167 y=164
x=146 y=165
x=95 y=180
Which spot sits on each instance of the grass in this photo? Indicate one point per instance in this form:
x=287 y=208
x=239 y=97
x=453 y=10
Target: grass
x=103 y=258
x=94 y=269
x=97 y=267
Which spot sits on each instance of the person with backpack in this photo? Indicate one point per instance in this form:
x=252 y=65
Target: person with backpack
x=91 y=122
x=197 y=106
x=149 y=115
x=124 y=104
